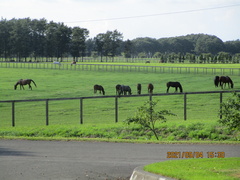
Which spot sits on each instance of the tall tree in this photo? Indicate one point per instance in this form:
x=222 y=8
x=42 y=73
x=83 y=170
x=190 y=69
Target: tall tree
x=78 y=42
x=107 y=43
x=20 y=38
x=5 y=45
x=128 y=49
x=58 y=39
x=38 y=39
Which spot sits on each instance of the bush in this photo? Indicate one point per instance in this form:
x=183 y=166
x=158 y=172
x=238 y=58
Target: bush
x=147 y=117
x=230 y=112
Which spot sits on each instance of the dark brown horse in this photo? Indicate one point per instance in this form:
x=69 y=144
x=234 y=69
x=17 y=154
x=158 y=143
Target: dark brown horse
x=139 y=88
x=118 y=89
x=98 y=88
x=23 y=82
x=176 y=85
x=223 y=80
x=150 y=88
x=125 y=90
x=216 y=81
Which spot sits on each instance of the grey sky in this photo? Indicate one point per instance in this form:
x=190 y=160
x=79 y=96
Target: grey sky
x=135 y=18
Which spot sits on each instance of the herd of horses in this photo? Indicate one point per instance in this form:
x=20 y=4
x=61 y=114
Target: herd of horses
x=126 y=90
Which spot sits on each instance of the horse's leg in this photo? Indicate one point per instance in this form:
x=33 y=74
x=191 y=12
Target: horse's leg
x=30 y=87
x=176 y=89
x=221 y=84
x=168 y=89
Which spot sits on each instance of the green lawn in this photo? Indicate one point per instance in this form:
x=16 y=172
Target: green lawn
x=65 y=84
x=54 y=83
x=198 y=169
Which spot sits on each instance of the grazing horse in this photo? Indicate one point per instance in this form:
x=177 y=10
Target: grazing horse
x=174 y=84
x=125 y=90
x=223 y=80
x=150 y=88
x=216 y=81
x=23 y=82
x=98 y=88
x=73 y=63
x=118 y=88
x=139 y=88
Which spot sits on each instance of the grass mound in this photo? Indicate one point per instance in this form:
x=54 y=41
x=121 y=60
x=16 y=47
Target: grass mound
x=214 y=169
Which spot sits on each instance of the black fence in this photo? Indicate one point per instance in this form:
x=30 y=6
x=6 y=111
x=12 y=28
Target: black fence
x=81 y=99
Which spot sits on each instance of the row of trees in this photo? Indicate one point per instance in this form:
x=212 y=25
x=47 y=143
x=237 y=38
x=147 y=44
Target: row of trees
x=38 y=39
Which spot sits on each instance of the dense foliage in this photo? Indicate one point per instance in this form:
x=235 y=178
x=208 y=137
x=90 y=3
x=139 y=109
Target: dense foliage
x=37 y=39
x=230 y=112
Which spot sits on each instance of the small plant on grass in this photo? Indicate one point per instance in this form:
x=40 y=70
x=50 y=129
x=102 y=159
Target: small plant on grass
x=147 y=117
x=230 y=112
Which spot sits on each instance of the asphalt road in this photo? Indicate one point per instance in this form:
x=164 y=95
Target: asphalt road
x=30 y=160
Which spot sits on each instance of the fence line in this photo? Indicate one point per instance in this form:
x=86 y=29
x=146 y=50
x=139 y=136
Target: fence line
x=116 y=102
x=123 y=68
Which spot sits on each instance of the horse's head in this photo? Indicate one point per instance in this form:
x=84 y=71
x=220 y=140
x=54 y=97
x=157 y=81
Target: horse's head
x=15 y=86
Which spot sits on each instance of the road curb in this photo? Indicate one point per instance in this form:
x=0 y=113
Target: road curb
x=140 y=174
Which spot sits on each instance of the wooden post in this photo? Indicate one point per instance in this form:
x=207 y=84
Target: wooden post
x=185 y=106
x=13 y=114
x=220 y=105
x=81 y=111
x=150 y=97
x=47 y=112
x=116 y=109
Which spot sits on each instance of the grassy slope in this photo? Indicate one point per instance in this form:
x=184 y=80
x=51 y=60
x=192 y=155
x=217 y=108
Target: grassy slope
x=214 y=169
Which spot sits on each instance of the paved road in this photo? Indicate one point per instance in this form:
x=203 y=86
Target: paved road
x=25 y=160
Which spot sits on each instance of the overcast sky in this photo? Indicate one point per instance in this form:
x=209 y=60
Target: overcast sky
x=135 y=18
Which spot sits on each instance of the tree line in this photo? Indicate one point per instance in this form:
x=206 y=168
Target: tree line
x=40 y=40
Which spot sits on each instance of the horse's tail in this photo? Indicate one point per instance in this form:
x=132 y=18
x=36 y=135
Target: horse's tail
x=130 y=91
x=180 y=87
x=34 y=83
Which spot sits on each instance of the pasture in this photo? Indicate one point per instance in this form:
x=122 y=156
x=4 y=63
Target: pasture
x=54 y=83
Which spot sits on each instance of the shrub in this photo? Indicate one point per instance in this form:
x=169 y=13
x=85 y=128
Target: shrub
x=230 y=112
x=147 y=116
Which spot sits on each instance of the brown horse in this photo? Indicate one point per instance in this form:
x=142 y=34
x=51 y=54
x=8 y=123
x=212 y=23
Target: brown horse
x=150 y=88
x=216 y=81
x=174 y=84
x=23 y=82
x=98 y=88
x=223 y=80
x=139 y=88
x=125 y=90
x=118 y=89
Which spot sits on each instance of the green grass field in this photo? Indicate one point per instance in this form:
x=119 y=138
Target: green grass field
x=54 y=83
x=214 y=169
